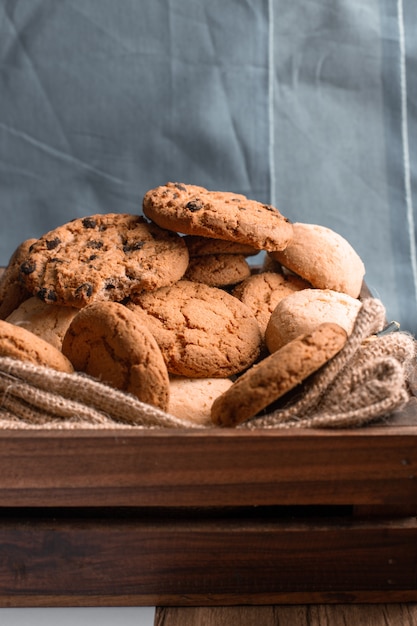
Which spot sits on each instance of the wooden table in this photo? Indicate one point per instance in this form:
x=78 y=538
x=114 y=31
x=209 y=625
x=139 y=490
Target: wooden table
x=300 y=615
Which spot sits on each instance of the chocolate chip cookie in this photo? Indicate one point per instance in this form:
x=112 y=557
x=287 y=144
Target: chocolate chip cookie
x=12 y=291
x=194 y=210
x=102 y=257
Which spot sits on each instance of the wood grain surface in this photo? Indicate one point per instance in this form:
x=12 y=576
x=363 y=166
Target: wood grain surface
x=203 y=557
x=302 y=615
x=369 y=466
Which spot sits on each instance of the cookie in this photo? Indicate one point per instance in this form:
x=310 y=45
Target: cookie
x=194 y=210
x=202 y=246
x=218 y=270
x=108 y=342
x=12 y=291
x=103 y=257
x=323 y=258
x=304 y=310
x=277 y=374
x=262 y=292
x=203 y=331
x=19 y=343
x=191 y=398
x=50 y=322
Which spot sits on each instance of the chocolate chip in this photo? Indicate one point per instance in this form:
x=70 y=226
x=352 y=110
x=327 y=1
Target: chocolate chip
x=109 y=286
x=28 y=267
x=242 y=208
x=52 y=243
x=85 y=288
x=194 y=205
x=47 y=295
x=89 y=222
x=131 y=247
x=93 y=257
x=95 y=244
x=180 y=186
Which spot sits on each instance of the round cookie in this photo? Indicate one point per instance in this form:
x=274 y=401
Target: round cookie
x=103 y=257
x=218 y=270
x=262 y=292
x=202 y=246
x=19 y=343
x=191 y=398
x=274 y=376
x=203 y=332
x=12 y=291
x=324 y=258
x=108 y=342
x=50 y=322
x=304 y=310
x=194 y=210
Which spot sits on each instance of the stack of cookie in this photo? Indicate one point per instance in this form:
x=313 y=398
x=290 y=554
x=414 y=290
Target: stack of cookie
x=168 y=307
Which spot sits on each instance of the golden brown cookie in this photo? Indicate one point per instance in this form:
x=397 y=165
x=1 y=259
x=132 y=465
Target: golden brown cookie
x=108 y=342
x=102 y=257
x=324 y=258
x=50 y=322
x=202 y=246
x=304 y=310
x=277 y=374
x=203 y=332
x=218 y=270
x=262 y=292
x=12 y=291
x=194 y=210
x=19 y=343
x=191 y=398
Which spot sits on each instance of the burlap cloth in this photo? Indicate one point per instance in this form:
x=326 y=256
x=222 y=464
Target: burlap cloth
x=366 y=381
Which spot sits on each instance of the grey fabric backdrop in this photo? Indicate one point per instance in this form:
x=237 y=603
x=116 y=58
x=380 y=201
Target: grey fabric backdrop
x=312 y=106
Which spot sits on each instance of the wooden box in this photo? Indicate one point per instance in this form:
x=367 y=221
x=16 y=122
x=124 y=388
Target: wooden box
x=219 y=517
x=209 y=518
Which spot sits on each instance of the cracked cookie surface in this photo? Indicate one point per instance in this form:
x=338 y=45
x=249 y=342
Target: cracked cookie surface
x=107 y=341
x=262 y=292
x=194 y=210
x=218 y=270
x=202 y=331
x=102 y=257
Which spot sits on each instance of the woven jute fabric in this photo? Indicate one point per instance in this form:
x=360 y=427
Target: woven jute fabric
x=366 y=381
x=39 y=397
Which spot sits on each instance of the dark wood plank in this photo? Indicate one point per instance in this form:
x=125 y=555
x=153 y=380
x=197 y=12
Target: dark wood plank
x=216 y=468
x=304 y=615
x=202 y=557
